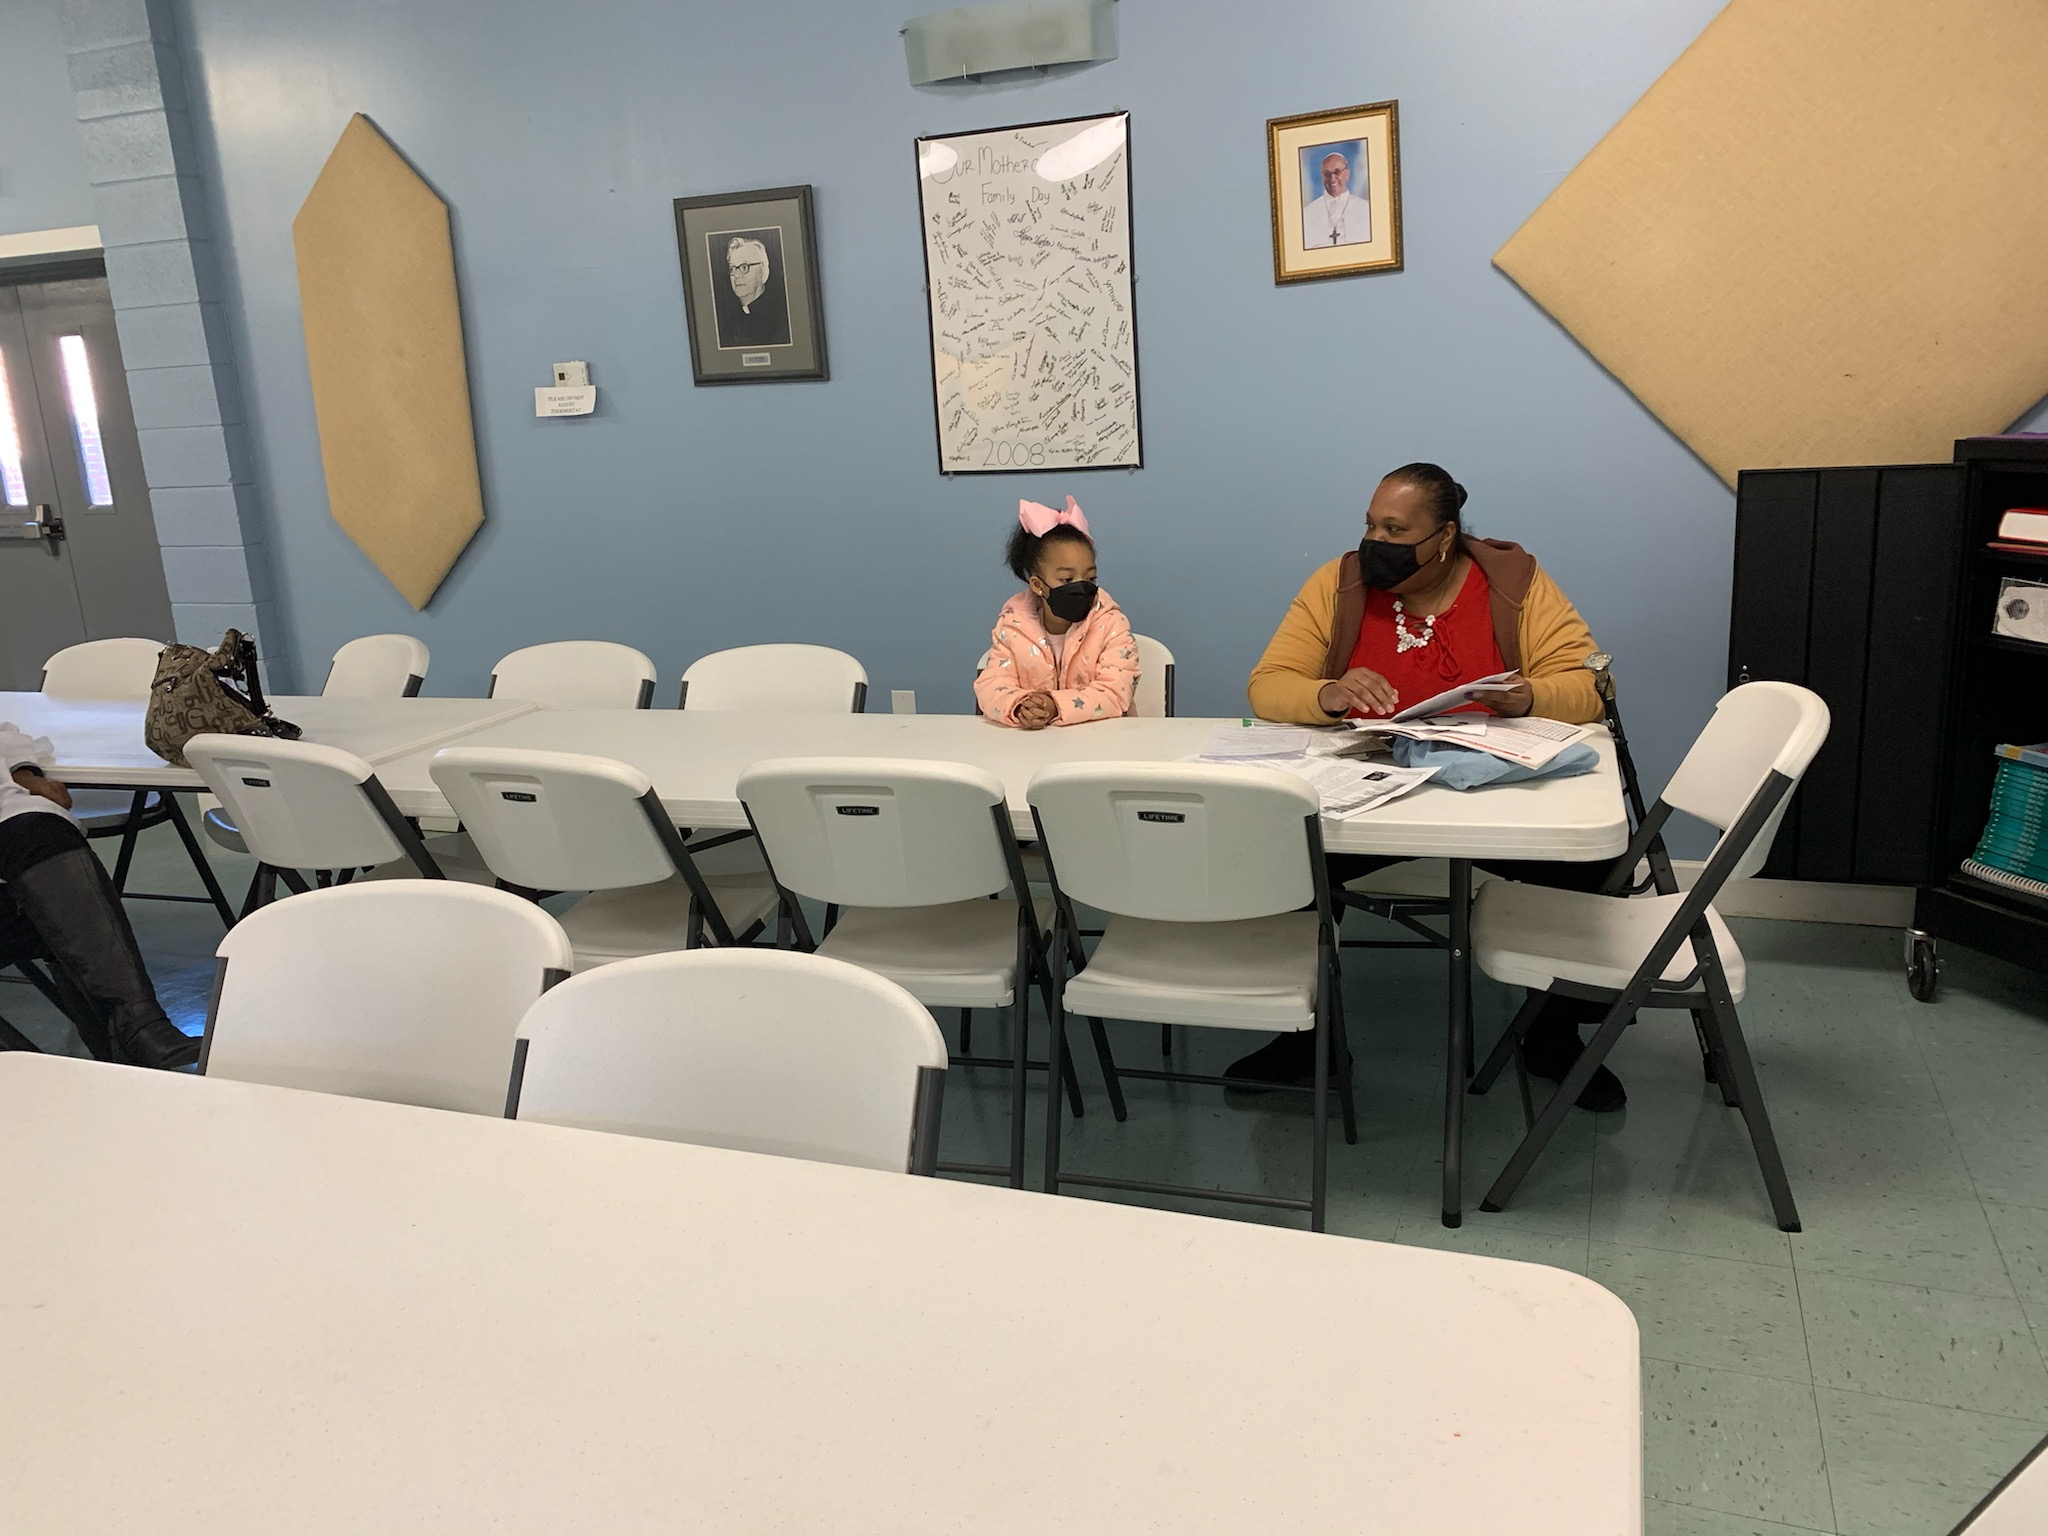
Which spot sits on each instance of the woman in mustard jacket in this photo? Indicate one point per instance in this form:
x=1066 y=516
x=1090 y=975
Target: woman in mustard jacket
x=1419 y=607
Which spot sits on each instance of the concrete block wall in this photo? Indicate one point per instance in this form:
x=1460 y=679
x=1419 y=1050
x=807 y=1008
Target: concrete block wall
x=128 y=85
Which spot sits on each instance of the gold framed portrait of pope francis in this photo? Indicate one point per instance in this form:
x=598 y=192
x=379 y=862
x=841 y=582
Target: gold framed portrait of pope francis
x=1336 y=180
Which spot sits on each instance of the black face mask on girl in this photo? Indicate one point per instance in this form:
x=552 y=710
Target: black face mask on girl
x=1072 y=601
x=1386 y=564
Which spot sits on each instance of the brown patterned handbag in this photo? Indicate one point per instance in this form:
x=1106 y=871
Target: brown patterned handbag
x=200 y=691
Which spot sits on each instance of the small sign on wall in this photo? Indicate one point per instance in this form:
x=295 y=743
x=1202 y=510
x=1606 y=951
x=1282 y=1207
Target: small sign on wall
x=579 y=400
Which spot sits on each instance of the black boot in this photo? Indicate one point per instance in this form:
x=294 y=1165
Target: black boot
x=1288 y=1058
x=1550 y=1050
x=78 y=914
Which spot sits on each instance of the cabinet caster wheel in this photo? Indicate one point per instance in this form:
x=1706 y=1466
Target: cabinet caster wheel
x=1923 y=967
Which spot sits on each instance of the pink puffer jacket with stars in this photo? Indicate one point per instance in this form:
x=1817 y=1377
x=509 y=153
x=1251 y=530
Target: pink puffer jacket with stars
x=1095 y=681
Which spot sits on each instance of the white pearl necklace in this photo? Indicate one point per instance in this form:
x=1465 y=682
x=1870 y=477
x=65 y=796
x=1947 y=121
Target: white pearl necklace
x=1403 y=640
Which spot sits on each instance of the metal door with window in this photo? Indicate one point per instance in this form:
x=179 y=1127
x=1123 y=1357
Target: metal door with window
x=78 y=549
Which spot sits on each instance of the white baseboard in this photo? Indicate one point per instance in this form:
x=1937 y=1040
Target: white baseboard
x=1808 y=901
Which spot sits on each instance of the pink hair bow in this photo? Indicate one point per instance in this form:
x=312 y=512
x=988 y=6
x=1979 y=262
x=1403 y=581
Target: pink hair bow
x=1039 y=520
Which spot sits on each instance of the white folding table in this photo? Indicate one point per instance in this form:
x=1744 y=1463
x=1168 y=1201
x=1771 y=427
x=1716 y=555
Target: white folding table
x=2018 y=1506
x=99 y=741
x=227 y=1308
x=695 y=758
x=99 y=745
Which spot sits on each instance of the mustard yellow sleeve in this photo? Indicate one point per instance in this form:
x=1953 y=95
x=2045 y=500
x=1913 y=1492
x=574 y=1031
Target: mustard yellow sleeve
x=1555 y=645
x=1289 y=676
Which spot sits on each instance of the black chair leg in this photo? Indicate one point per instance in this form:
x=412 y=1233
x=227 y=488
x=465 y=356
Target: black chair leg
x=12 y=1039
x=966 y=1031
x=1057 y=1066
x=1713 y=1055
x=1166 y=1039
x=197 y=854
x=1735 y=1053
x=1116 y=1087
x=1019 y=1072
x=1319 y=1167
x=1509 y=1046
x=130 y=831
x=1619 y=1017
x=1341 y=1048
x=1068 y=1075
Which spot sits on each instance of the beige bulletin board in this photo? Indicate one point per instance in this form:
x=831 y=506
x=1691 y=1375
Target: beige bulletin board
x=384 y=348
x=1822 y=236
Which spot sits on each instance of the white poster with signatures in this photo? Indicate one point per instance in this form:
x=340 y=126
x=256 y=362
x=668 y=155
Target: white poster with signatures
x=1027 y=247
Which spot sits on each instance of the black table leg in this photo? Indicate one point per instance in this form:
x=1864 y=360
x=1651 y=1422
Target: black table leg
x=1456 y=1067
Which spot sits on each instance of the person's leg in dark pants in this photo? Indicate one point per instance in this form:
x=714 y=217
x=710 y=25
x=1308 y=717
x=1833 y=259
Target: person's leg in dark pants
x=1291 y=1058
x=1553 y=1042
x=61 y=888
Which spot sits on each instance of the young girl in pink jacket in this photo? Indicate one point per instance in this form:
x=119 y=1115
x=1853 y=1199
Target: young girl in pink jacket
x=1062 y=652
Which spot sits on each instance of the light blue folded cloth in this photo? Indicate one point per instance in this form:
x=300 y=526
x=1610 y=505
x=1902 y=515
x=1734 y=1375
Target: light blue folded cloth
x=1468 y=767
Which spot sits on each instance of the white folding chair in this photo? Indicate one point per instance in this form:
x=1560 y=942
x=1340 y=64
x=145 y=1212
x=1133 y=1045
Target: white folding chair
x=758 y=1050
x=576 y=674
x=103 y=669
x=405 y=990
x=377 y=667
x=301 y=806
x=125 y=669
x=2018 y=1506
x=907 y=853
x=372 y=667
x=1219 y=916
x=1625 y=951
x=562 y=821
x=782 y=679
x=1154 y=697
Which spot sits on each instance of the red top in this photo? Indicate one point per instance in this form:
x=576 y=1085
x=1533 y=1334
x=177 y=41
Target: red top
x=1462 y=649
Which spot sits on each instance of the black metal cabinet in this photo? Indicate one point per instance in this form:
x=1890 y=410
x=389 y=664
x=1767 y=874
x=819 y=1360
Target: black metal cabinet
x=1873 y=586
x=1846 y=580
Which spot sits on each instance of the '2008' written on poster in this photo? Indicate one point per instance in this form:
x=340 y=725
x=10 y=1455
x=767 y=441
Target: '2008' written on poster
x=1027 y=238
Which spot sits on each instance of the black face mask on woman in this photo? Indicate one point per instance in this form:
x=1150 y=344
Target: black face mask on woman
x=1386 y=564
x=1072 y=601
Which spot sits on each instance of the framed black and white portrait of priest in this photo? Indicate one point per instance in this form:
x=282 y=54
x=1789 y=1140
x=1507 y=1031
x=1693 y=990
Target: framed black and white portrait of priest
x=750 y=286
x=1336 y=184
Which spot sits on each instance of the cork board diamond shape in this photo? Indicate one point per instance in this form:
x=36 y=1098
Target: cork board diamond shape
x=1822 y=236
x=384 y=347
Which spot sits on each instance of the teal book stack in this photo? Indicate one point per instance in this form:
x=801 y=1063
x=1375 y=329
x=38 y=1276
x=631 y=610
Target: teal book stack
x=2013 y=852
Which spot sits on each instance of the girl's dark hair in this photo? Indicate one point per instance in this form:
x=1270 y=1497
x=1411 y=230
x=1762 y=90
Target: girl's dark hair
x=1442 y=495
x=1024 y=548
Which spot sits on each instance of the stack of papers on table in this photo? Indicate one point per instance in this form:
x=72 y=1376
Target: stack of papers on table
x=1346 y=787
x=1529 y=740
x=1351 y=789
x=1246 y=741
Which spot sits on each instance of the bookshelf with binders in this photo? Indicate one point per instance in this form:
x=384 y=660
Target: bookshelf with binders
x=1906 y=596
x=1990 y=885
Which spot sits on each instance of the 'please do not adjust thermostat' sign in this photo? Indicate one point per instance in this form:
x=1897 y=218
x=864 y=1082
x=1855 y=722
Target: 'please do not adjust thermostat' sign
x=572 y=393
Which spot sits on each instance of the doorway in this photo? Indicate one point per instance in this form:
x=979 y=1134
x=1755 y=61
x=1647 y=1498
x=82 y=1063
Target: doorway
x=78 y=548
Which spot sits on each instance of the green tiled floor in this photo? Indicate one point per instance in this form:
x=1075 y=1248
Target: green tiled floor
x=1872 y=1375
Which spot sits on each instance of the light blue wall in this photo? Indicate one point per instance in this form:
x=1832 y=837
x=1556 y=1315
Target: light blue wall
x=42 y=165
x=684 y=519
